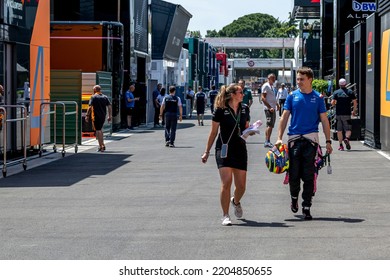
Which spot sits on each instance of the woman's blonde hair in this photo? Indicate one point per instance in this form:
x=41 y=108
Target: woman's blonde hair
x=224 y=95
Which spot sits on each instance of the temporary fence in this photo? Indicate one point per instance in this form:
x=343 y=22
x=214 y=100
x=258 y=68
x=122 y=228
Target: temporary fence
x=54 y=113
x=4 y=121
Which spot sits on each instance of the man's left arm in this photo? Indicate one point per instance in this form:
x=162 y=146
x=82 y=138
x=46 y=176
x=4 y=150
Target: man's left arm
x=326 y=129
x=162 y=108
x=180 y=112
x=88 y=113
x=109 y=112
x=180 y=109
x=354 y=102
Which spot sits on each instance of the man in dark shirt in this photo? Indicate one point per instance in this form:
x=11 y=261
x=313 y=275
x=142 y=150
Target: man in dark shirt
x=343 y=98
x=98 y=105
x=212 y=94
x=201 y=101
x=171 y=104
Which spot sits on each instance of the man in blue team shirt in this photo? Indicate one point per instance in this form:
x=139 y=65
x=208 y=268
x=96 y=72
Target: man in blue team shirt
x=130 y=103
x=307 y=109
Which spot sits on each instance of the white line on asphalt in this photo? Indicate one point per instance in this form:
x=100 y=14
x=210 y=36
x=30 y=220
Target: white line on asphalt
x=386 y=155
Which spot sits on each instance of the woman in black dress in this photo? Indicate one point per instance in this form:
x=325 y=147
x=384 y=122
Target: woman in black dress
x=230 y=118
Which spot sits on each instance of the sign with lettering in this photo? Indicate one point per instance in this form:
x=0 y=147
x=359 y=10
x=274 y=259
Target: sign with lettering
x=363 y=7
x=13 y=12
x=360 y=10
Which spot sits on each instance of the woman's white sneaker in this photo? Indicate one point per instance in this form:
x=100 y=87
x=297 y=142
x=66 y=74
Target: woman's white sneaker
x=237 y=208
x=226 y=220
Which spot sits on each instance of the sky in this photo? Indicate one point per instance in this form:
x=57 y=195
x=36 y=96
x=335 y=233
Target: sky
x=215 y=14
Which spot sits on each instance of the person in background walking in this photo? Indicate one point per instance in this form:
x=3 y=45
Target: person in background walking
x=201 y=101
x=342 y=99
x=248 y=99
x=130 y=103
x=307 y=109
x=99 y=104
x=212 y=94
x=270 y=106
x=160 y=99
x=281 y=97
x=230 y=118
x=26 y=95
x=191 y=96
x=156 y=105
x=171 y=104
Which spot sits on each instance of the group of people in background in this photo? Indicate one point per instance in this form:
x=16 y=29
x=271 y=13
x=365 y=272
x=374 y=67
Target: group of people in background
x=230 y=107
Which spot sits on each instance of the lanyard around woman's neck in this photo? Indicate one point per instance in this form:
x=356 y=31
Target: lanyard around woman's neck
x=235 y=115
x=237 y=120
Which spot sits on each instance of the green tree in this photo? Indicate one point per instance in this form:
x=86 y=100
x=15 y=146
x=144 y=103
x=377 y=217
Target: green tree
x=195 y=34
x=252 y=25
x=212 y=33
x=258 y=25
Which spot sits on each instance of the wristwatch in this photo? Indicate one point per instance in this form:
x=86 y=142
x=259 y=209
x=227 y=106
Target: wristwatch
x=328 y=141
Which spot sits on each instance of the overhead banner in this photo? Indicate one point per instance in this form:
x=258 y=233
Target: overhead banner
x=307 y=3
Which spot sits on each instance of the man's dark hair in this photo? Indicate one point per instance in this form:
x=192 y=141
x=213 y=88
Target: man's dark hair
x=172 y=89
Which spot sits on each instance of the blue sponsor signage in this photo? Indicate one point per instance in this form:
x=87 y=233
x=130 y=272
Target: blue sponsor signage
x=363 y=7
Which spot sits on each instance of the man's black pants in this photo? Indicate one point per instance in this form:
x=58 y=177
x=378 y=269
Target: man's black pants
x=302 y=154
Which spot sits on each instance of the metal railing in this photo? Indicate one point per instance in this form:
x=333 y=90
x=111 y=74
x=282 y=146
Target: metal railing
x=64 y=114
x=4 y=121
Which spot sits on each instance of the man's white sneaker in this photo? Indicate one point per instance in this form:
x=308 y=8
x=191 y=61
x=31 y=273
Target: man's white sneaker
x=226 y=220
x=237 y=208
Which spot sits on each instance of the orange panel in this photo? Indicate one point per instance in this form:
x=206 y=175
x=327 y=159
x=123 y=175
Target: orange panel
x=39 y=66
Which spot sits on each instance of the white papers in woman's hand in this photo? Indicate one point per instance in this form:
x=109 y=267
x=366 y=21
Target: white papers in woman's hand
x=252 y=129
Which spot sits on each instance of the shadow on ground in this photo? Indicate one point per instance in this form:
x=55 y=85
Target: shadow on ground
x=299 y=218
x=250 y=223
x=67 y=171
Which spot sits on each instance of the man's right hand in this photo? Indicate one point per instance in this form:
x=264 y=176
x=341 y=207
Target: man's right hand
x=278 y=142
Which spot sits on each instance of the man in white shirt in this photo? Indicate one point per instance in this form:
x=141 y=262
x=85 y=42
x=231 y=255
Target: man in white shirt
x=281 y=97
x=270 y=106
